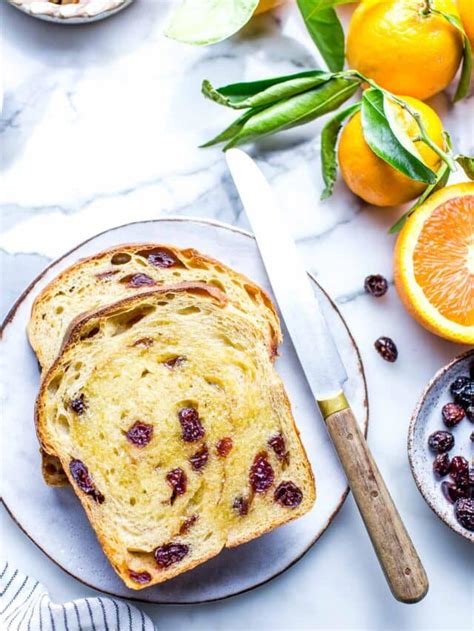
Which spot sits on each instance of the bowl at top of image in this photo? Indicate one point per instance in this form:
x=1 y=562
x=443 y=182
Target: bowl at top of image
x=70 y=11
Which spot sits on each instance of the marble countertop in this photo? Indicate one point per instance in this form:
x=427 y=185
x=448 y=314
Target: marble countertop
x=100 y=127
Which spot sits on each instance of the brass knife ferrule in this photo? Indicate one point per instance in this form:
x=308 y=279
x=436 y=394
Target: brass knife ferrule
x=332 y=405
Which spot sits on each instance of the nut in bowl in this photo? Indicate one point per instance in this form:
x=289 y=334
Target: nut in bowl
x=71 y=11
x=440 y=445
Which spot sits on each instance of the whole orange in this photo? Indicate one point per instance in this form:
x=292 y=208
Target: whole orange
x=267 y=5
x=466 y=11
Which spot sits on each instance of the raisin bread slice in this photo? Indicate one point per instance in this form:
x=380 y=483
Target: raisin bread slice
x=174 y=429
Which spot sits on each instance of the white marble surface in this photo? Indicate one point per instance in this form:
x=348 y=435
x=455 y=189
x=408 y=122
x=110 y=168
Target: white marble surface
x=100 y=127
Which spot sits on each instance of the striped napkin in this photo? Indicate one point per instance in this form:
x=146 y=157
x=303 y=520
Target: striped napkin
x=25 y=606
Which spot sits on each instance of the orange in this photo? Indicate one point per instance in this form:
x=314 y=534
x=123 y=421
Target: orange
x=434 y=263
x=466 y=11
x=267 y=5
x=405 y=51
x=373 y=179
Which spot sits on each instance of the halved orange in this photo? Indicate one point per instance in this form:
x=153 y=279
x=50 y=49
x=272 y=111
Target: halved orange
x=434 y=263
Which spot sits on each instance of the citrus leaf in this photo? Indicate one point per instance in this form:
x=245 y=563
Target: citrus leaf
x=326 y=31
x=467 y=164
x=466 y=71
x=209 y=21
x=258 y=93
x=297 y=110
x=230 y=131
x=385 y=144
x=442 y=177
x=329 y=136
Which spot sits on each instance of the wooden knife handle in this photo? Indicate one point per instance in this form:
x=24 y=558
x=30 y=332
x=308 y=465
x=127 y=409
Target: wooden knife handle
x=399 y=560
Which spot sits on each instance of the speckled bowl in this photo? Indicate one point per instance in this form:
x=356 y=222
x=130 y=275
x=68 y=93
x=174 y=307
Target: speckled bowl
x=426 y=420
x=73 y=19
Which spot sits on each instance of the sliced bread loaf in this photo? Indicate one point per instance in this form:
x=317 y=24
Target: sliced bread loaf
x=174 y=429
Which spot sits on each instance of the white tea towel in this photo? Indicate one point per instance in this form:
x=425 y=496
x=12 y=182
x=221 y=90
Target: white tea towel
x=25 y=606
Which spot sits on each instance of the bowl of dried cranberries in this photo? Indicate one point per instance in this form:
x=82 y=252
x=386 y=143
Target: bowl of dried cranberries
x=441 y=444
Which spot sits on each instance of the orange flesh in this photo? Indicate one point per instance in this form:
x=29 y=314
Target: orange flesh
x=443 y=259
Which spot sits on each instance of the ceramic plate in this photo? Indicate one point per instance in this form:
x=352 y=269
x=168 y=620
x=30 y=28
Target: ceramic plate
x=426 y=420
x=53 y=518
x=79 y=19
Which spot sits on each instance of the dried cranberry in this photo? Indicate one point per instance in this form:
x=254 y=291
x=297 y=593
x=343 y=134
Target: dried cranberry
x=144 y=342
x=470 y=413
x=453 y=492
x=459 y=470
x=261 y=473
x=78 y=404
x=80 y=473
x=160 y=257
x=178 y=481
x=170 y=553
x=106 y=275
x=277 y=443
x=441 y=441
x=464 y=511
x=187 y=524
x=386 y=348
x=190 y=424
x=199 y=459
x=376 y=285
x=173 y=362
x=241 y=505
x=462 y=390
x=288 y=494
x=120 y=258
x=452 y=414
x=224 y=446
x=441 y=464
x=140 y=434
x=138 y=280
x=472 y=437
x=140 y=577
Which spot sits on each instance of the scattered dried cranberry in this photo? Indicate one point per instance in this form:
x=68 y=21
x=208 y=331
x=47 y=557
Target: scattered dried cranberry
x=441 y=464
x=78 y=404
x=453 y=492
x=170 y=553
x=140 y=434
x=459 y=470
x=470 y=413
x=386 y=348
x=452 y=414
x=277 y=443
x=199 y=459
x=138 y=280
x=140 y=577
x=288 y=494
x=80 y=473
x=464 y=511
x=241 y=505
x=160 y=257
x=187 y=524
x=261 y=474
x=144 y=342
x=462 y=390
x=120 y=258
x=173 y=362
x=441 y=441
x=178 y=481
x=376 y=285
x=191 y=425
x=224 y=446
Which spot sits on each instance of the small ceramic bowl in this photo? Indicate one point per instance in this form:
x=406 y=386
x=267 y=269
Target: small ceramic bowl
x=426 y=420
x=84 y=12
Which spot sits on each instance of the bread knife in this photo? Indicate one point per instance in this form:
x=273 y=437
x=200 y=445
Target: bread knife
x=326 y=376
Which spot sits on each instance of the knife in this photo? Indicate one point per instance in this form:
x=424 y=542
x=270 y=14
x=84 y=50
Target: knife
x=326 y=377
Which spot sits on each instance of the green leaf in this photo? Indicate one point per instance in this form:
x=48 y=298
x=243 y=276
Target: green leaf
x=466 y=71
x=230 y=131
x=385 y=144
x=467 y=164
x=329 y=136
x=209 y=21
x=259 y=93
x=297 y=110
x=326 y=31
x=442 y=177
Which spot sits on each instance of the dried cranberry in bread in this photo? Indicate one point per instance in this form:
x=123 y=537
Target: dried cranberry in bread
x=174 y=430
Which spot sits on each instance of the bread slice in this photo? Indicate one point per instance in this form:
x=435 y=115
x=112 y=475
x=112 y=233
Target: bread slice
x=174 y=429
x=120 y=272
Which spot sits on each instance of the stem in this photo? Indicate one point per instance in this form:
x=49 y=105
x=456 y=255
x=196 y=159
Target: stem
x=426 y=10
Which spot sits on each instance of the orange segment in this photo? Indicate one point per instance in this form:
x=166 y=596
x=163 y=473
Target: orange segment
x=434 y=263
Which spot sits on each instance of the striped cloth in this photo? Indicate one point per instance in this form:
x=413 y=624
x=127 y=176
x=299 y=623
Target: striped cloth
x=25 y=606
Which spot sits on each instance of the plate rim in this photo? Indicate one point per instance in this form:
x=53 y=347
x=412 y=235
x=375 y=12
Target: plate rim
x=219 y=224
x=74 y=20
x=411 y=441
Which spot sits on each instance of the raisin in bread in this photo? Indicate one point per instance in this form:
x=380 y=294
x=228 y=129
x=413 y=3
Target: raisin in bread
x=174 y=429
x=119 y=272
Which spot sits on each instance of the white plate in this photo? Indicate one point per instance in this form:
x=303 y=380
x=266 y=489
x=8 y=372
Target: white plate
x=54 y=519
x=426 y=420
x=77 y=19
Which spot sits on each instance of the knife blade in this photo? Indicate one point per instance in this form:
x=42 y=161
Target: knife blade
x=326 y=376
